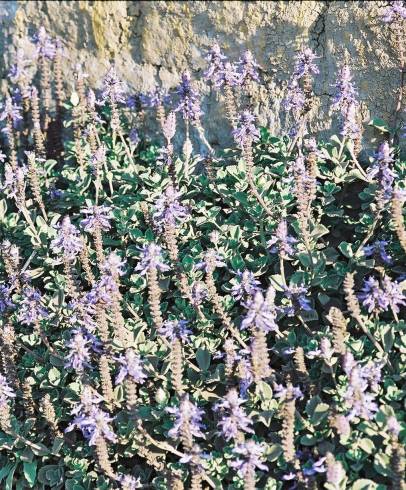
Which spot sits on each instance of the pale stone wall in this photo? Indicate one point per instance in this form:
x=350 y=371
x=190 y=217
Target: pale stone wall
x=153 y=41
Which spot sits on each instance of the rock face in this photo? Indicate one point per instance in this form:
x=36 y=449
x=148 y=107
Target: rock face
x=151 y=42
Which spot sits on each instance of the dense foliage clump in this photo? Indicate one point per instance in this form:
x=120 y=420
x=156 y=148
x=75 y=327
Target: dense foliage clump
x=233 y=319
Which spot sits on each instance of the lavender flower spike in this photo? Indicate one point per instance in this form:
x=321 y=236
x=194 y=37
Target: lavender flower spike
x=249 y=457
x=216 y=64
x=305 y=64
x=96 y=216
x=378 y=250
x=30 y=308
x=246 y=132
x=68 y=241
x=78 y=357
x=45 y=46
x=281 y=242
x=168 y=209
x=6 y=393
x=247 y=285
x=234 y=418
x=131 y=366
x=395 y=11
x=248 y=68
x=187 y=413
x=260 y=314
x=189 y=103
x=175 y=330
x=151 y=258
x=113 y=88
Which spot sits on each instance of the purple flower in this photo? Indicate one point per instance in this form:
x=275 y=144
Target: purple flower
x=395 y=11
x=294 y=99
x=346 y=93
x=247 y=285
x=187 y=414
x=198 y=293
x=30 y=309
x=18 y=73
x=378 y=250
x=246 y=132
x=98 y=159
x=168 y=209
x=211 y=260
x=261 y=313
x=216 y=64
x=393 y=426
x=129 y=482
x=113 y=265
x=131 y=366
x=189 y=103
x=113 y=88
x=6 y=393
x=299 y=302
x=313 y=467
x=172 y=330
x=350 y=128
x=250 y=455
x=94 y=424
x=82 y=311
x=5 y=298
x=10 y=110
x=305 y=64
x=156 y=97
x=151 y=258
x=281 y=242
x=381 y=171
x=360 y=403
x=233 y=417
x=45 y=46
x=378 y=297
x=68 y=241
x=248 y=68
x=97 y=216
x=78 y=357
x=281 y=392
x=169 y=126
x=134 y=137
x=2 y=157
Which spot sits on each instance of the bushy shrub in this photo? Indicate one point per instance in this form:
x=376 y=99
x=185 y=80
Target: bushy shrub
x=233 y=319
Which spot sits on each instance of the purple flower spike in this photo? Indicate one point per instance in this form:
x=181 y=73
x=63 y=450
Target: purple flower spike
x=247 y=285
x=305 y=64
x=381 y=170
x=96 y=216
x=211 y=261
x=378 y=249
x=377 y=298
x=189 y=103
x=261 y=314
x=248 y=68
x=5 y=298
x=175 y=330
x=30 y=309
x=281 y=242
x=113 y=88
x=151 y=258
x=299 y=302
x=168 y=209
x=216 y=64
x=246 y=132
x=45 y=45
x=131 y=367
x=249 y=457
x=234 y=418
x=10 y=110
x=68 y=241
x=395 y=11
x=186 y=414
x=6 y=393
x=78 y=357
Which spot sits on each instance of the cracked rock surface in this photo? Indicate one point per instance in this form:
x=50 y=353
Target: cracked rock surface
x=152 y=42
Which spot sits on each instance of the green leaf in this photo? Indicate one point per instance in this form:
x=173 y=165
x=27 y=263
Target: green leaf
x=319 y=231
x=54 y=376
x=319 y=413
x=345 y=249
x=274 y=452
x=379 y=124
x=363 y=484
x=367 y=445
x=30 y=472
x=9 y=481
x=5 y=471
x=203 y=358
x=264 y=391
x=382 y=464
